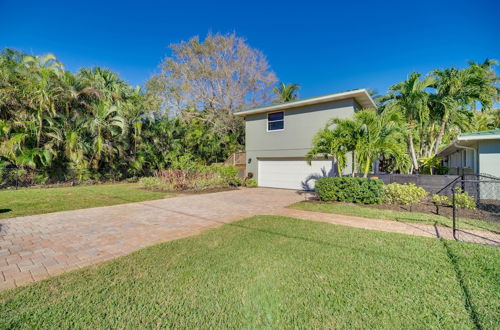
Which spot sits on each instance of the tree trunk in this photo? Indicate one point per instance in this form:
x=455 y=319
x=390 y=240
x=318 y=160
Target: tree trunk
x=412 y=152
x=367 y=167
x=353 y=163
x=439 y=138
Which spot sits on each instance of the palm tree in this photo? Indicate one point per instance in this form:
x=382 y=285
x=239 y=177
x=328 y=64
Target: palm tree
x=411 y=99
x=327 y=143
x=286 y=93
x=368 y=136
x=379 y=136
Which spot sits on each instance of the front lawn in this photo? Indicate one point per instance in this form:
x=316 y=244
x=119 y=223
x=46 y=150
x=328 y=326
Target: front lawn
x=375 y=213
x=273 y=272
x=16 y=203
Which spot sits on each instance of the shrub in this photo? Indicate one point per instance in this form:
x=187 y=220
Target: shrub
x=349 y=189
x=251 y=183
x=441 y=200
x=195 y=179
x=403 y=194
x=463 y=200
x=152 y=183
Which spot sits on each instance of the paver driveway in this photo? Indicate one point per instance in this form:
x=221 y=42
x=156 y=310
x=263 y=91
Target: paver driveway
x=39 y=246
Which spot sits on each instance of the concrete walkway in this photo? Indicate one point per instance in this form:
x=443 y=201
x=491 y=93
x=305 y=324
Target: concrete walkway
x=36 y=247
x=465 y=235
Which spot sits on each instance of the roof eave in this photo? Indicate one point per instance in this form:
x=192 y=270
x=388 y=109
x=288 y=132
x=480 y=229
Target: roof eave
x=479 y=137
x=360 y=95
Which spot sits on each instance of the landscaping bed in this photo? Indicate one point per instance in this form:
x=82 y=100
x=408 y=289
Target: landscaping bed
x=401 y=202
x=273 y=272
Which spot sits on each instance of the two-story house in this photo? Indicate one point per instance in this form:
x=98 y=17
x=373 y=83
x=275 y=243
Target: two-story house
x=279 y=136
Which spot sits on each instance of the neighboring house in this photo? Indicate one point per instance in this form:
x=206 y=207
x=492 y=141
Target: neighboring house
x=474 y=153
x=279 y=136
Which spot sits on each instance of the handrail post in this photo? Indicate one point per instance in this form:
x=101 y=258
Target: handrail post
x=454 y=213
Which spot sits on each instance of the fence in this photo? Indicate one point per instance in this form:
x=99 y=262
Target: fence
x=431 y=183
x=475 y=197
x=238 y=160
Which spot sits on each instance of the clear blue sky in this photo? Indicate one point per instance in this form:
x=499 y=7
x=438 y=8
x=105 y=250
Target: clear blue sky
x=324 y=46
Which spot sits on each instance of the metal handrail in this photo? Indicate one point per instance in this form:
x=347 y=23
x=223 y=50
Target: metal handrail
x=454 y=211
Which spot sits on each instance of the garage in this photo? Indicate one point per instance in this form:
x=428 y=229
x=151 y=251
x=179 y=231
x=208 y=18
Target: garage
x=292 y=173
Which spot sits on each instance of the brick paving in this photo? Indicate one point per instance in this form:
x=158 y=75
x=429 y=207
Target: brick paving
x=36 y=247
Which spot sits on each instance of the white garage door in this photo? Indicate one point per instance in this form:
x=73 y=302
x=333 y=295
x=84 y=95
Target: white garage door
x=292 y=174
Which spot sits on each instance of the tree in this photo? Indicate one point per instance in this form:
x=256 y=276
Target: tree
x=368 y=136
x=286 y=93
x=411 y=99
x=219 y=75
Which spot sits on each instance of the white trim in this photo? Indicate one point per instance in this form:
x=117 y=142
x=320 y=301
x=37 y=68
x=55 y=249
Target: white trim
x=267 y=122
x=479 y=137
x=358 y=94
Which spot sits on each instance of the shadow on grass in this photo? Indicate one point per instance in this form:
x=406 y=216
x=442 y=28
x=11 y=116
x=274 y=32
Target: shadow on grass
x=5 y=210
x=460 y=279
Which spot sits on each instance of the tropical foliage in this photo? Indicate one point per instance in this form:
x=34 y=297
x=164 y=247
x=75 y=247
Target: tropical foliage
x=413 y=121
x=92 y=125
x=367 y=137
x=437 y=107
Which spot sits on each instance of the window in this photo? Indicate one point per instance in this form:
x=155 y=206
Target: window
x=275 y=121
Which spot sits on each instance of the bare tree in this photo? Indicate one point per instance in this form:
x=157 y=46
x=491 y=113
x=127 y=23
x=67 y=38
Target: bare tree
x=219 y=75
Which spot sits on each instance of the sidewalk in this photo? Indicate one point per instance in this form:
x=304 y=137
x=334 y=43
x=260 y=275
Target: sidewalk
x=471 y=236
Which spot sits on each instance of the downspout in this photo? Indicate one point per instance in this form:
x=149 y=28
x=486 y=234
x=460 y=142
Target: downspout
x=476 y=161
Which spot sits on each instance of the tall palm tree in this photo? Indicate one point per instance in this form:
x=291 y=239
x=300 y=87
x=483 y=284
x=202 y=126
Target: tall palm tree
x=411 y=99
x=286 y=93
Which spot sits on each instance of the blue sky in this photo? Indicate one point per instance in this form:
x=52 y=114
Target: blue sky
x=325 y=46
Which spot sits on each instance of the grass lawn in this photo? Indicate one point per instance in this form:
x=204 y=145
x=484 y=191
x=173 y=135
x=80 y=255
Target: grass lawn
x=270 y=271
x=413 y=217
x=16 y=203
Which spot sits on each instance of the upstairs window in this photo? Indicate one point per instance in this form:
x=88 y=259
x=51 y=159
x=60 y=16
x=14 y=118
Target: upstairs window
x=275 y=121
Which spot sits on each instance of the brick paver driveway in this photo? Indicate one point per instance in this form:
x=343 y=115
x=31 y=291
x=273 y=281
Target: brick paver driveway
x=36 y=247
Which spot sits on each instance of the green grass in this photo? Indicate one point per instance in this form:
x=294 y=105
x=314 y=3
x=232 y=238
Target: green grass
x=273 y=272
x=16 y=203
x=412 y=217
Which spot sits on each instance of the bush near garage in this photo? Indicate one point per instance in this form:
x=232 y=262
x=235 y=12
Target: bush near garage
x=349 y=189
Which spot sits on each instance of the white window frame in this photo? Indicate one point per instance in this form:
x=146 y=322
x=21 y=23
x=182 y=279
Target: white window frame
x=272 y=121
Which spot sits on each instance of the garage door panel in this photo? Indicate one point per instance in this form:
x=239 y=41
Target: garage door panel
x=293 y=174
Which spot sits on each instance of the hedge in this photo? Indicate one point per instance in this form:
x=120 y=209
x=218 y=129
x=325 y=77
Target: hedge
x=349 y=189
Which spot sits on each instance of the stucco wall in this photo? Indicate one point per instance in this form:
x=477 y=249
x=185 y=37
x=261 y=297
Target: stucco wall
x=489 y=157
x=301 y=124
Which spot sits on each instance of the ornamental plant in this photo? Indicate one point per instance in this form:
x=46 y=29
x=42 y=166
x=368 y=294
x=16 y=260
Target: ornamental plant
x=349 y=189
x=403 y=194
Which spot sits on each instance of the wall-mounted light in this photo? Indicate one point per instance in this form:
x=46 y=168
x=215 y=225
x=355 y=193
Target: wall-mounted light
x=249 y=160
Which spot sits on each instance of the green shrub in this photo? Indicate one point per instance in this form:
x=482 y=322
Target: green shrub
x=441 y=200
x=228 y=174
x=463 y=200
x=349 y=189
x=251 y=183
x=403 y=194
